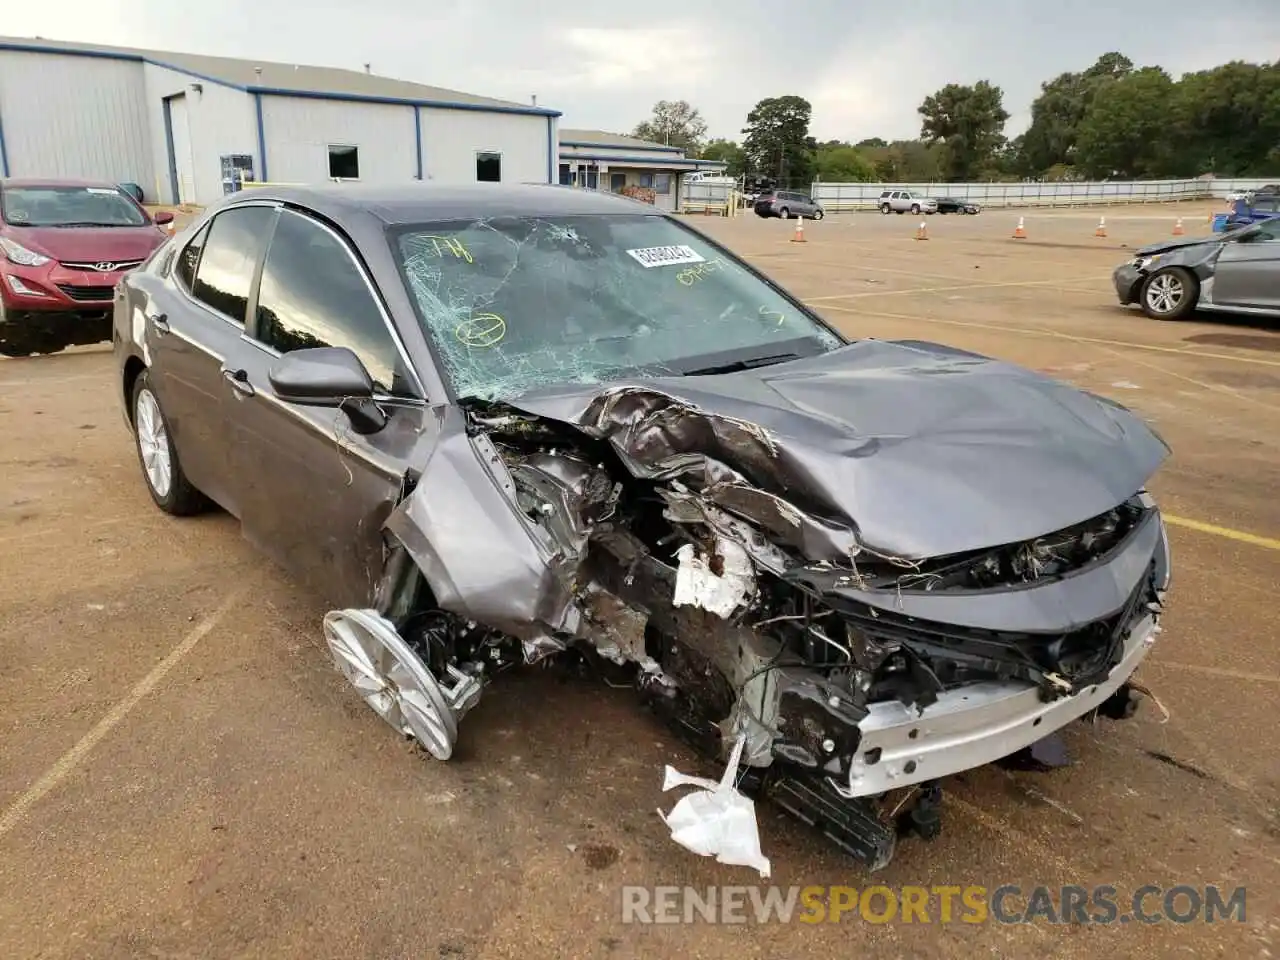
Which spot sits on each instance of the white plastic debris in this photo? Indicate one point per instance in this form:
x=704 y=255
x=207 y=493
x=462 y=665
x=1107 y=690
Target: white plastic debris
x=697 y=585
x=716 y=821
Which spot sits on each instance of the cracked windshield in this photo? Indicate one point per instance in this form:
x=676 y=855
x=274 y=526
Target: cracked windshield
x=514 y=304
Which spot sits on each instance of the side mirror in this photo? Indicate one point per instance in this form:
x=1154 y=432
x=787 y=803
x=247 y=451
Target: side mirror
x=163 y=217
x=328 y=377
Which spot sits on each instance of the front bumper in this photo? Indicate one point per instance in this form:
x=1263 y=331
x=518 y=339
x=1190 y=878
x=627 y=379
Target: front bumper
x=973 y=725
x=1128 y=283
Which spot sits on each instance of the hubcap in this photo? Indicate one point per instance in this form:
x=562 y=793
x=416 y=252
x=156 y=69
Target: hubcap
x=153 y=444
x=391 y=678
x=1164 y=293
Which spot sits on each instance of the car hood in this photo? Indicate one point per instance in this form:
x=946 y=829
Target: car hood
x=1164 y=246
x=911 y=449
x=89 y=244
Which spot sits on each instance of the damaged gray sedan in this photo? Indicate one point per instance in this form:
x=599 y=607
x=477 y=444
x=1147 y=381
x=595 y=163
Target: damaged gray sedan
x=493 y=425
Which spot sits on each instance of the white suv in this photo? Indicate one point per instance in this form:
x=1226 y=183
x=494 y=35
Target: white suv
x=900 y=201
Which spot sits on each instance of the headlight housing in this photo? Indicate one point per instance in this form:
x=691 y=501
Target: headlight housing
x=16 y=253
x=1145 y=263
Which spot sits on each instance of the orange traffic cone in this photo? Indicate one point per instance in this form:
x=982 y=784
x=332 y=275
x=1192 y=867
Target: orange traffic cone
x=1177 y=228
x=922 y=231
x=798 y=237
x=1102 y=227
x=1020 y=233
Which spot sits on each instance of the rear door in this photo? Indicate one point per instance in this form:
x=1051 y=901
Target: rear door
x=314 y=494
x=1247 y=272
x=191 y=326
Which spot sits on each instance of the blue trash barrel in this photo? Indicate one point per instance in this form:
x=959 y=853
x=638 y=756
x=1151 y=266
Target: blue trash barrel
x=1219 y=222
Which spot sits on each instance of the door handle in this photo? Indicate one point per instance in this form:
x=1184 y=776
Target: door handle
x=159 y=322
x=239 y=380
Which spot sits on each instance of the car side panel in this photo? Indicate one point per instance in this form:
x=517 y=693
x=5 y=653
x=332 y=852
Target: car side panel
x=1247 y=275
x=183 y=345
x=314 y=494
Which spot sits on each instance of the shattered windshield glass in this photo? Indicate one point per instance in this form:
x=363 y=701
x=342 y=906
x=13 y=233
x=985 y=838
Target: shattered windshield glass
x=517 y=303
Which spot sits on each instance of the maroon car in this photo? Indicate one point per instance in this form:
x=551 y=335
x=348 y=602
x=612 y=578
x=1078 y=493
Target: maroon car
x=63 y=246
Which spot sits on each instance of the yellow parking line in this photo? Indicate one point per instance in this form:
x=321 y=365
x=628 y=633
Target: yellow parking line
x=1240 y=536
x=1049 y=334
x=981 y=285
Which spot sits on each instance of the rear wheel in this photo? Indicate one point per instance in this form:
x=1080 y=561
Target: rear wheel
x=915 y=209
x=1169 y=294
x=784 y=213
x=817 y=215
x=166 y=482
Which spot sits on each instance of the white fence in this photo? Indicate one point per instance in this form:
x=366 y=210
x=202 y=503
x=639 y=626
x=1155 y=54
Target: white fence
x=835 y=197
x=701 y=197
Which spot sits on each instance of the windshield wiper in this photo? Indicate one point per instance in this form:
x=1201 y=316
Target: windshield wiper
x=88 y=223
x=733 y=366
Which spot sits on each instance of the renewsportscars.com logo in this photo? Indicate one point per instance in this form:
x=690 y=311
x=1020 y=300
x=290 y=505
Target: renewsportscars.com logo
x=972 y=904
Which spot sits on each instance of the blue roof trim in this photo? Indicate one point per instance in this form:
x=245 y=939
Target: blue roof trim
x=402 y=101
x=277 y=92
x=618 y=146
x=639 y=160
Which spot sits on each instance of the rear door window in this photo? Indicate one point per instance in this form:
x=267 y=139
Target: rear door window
x=230 y=257
x=190 y=258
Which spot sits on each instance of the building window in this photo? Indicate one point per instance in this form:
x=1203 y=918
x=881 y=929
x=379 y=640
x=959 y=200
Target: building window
x=662 y=183
x=646 y=180
x=344 y=162
x=566 y=175
x=489 y=167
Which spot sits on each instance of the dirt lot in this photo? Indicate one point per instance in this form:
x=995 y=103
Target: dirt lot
x=183 y=774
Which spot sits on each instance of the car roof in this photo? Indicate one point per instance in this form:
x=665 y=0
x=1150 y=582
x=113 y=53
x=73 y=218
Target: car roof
x=56 y=182
x=425 y=202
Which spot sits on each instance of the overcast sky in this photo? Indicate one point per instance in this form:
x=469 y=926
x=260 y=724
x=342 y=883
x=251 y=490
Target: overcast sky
x=865 y=66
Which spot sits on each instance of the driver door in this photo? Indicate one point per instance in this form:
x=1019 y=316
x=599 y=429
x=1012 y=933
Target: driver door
x=314 y=494
x=1247 y=273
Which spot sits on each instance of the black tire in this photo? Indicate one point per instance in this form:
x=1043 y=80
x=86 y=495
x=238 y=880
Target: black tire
x=784 y=213
x=181 y=499
x=818 y=215
x=915 y=209
x=1169 y=294
x=885 y=209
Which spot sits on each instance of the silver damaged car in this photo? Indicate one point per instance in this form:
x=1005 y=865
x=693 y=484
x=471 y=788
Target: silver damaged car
x=494 y=425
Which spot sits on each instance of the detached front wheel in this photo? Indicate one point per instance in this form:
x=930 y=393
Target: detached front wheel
x=1169 y=294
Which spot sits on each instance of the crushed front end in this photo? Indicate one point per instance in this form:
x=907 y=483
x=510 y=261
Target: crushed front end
x=756 y=595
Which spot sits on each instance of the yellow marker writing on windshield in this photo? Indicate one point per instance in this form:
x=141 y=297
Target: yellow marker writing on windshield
x=695 y=273
x=450 y=245
x=482 y=330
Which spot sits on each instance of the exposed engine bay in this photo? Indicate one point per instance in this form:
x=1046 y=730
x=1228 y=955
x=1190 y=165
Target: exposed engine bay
x=717 y=567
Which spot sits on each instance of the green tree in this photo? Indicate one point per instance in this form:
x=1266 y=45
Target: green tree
x=969 y=121
x=906 y=161
x=1124 y=132
x=838 y=162
x=777 y=141
x=1056 y=114
x=871 y=142
x=1227 y=121
x=728 y=152
x=676 y=124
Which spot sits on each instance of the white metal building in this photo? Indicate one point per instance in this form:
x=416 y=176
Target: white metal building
x=610 y=162
x=185 y=127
